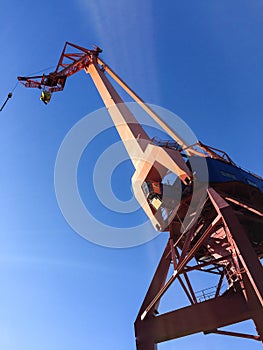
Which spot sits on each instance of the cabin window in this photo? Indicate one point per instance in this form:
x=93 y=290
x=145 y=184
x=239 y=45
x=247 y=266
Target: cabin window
x=252 y=183
x=228 y=175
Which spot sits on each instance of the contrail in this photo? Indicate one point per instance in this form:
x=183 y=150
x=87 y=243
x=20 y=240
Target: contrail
x=126 y=33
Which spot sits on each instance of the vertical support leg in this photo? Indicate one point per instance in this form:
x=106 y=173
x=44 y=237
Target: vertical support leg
x=144 y=339
x=146 y=345
x=253 y=270
x=253 y=303
x=158 y=279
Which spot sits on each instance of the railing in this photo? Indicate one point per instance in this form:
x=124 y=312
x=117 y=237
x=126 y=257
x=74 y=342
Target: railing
x=207 y=293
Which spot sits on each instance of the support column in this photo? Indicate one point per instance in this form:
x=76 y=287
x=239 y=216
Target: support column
x=252 y=273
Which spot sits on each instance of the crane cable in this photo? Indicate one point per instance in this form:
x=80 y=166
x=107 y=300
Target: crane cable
x=10 y=94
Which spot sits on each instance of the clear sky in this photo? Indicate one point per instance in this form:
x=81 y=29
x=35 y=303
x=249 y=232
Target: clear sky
x=200 y=59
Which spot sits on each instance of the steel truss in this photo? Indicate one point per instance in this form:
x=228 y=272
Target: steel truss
x=231 y=256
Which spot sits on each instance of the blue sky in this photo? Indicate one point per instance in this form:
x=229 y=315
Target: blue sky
x=200 y=59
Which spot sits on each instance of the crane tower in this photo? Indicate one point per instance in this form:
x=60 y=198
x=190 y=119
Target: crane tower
x=219 y=233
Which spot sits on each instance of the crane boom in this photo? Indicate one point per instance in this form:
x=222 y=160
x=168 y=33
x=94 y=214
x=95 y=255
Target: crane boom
x=151 y=162
x=216 y=224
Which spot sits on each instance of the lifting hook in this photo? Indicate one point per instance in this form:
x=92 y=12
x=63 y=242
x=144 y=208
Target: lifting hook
x=8 y=97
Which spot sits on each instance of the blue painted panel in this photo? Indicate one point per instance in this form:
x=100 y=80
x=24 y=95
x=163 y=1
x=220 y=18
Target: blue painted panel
x=220 y=171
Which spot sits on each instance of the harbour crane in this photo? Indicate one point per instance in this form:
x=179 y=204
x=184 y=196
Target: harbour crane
x=218 y=233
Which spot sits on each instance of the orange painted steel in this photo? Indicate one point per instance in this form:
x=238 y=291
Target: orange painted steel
x=225 y=240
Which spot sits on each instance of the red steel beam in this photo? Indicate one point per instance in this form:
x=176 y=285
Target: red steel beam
x=187 y=256
x=246 y=253
x=236 y=334
x=158 y=280
x=202 y=317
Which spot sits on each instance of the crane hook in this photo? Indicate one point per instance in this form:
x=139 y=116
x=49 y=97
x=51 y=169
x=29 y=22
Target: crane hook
x=8 y=97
